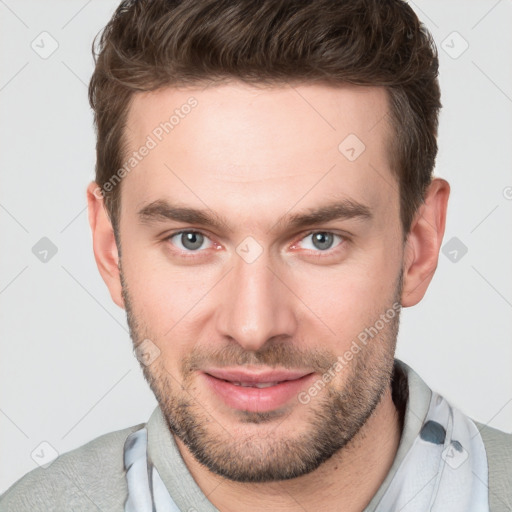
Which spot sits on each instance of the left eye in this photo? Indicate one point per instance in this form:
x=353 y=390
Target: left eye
x=189 y=240
x=321 y=240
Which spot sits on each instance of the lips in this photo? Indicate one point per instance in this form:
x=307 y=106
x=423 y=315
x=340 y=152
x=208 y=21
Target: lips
x=257 y=390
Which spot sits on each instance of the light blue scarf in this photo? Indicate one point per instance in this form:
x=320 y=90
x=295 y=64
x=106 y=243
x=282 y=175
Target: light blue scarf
x=444 y=471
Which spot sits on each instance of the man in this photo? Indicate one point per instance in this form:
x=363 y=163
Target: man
x=263 y=208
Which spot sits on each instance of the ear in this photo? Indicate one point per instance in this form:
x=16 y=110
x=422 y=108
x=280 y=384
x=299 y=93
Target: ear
x=424 y=242
x=104 y=243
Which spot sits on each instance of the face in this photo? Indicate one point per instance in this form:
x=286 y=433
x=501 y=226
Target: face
x=260 y=245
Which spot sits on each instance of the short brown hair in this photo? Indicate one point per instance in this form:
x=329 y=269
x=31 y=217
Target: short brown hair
x=150 y=44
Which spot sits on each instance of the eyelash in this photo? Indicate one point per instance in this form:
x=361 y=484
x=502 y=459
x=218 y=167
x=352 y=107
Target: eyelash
x=318 y=253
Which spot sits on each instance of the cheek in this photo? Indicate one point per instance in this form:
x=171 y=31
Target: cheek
x=154 y=295
x=340 y=300
x=166 y=300
x=353 y=295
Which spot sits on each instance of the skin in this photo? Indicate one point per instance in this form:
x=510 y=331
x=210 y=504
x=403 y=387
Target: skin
x=253 y=156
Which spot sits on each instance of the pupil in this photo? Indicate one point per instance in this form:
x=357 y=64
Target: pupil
x=322 y=240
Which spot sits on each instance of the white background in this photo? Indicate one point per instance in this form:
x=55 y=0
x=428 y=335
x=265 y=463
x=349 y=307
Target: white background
x=67 y=372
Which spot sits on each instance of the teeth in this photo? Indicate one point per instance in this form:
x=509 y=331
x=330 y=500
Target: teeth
x=255 y=384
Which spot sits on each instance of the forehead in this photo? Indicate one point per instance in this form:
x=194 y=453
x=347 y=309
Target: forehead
x=233 y=144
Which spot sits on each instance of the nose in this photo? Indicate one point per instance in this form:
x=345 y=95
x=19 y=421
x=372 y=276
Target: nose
x=255 y=305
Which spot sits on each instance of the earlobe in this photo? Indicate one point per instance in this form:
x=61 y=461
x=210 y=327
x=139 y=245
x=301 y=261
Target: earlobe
x=424 y=242
x=104 y=244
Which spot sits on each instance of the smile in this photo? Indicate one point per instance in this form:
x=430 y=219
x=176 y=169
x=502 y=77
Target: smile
x=256 y=391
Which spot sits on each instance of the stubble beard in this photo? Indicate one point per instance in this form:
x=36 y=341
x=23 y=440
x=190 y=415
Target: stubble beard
x=329 y=421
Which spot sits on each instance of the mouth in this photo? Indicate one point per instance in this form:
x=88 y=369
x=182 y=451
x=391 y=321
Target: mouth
x=256 y=391
x=259 y=385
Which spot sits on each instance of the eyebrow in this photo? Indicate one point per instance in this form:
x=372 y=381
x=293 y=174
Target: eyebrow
x=161 y=210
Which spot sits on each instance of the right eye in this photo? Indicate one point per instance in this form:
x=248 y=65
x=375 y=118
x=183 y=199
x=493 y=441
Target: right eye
x=189 y=241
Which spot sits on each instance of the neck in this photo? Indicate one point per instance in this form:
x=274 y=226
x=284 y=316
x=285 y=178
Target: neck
x=347 y=481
